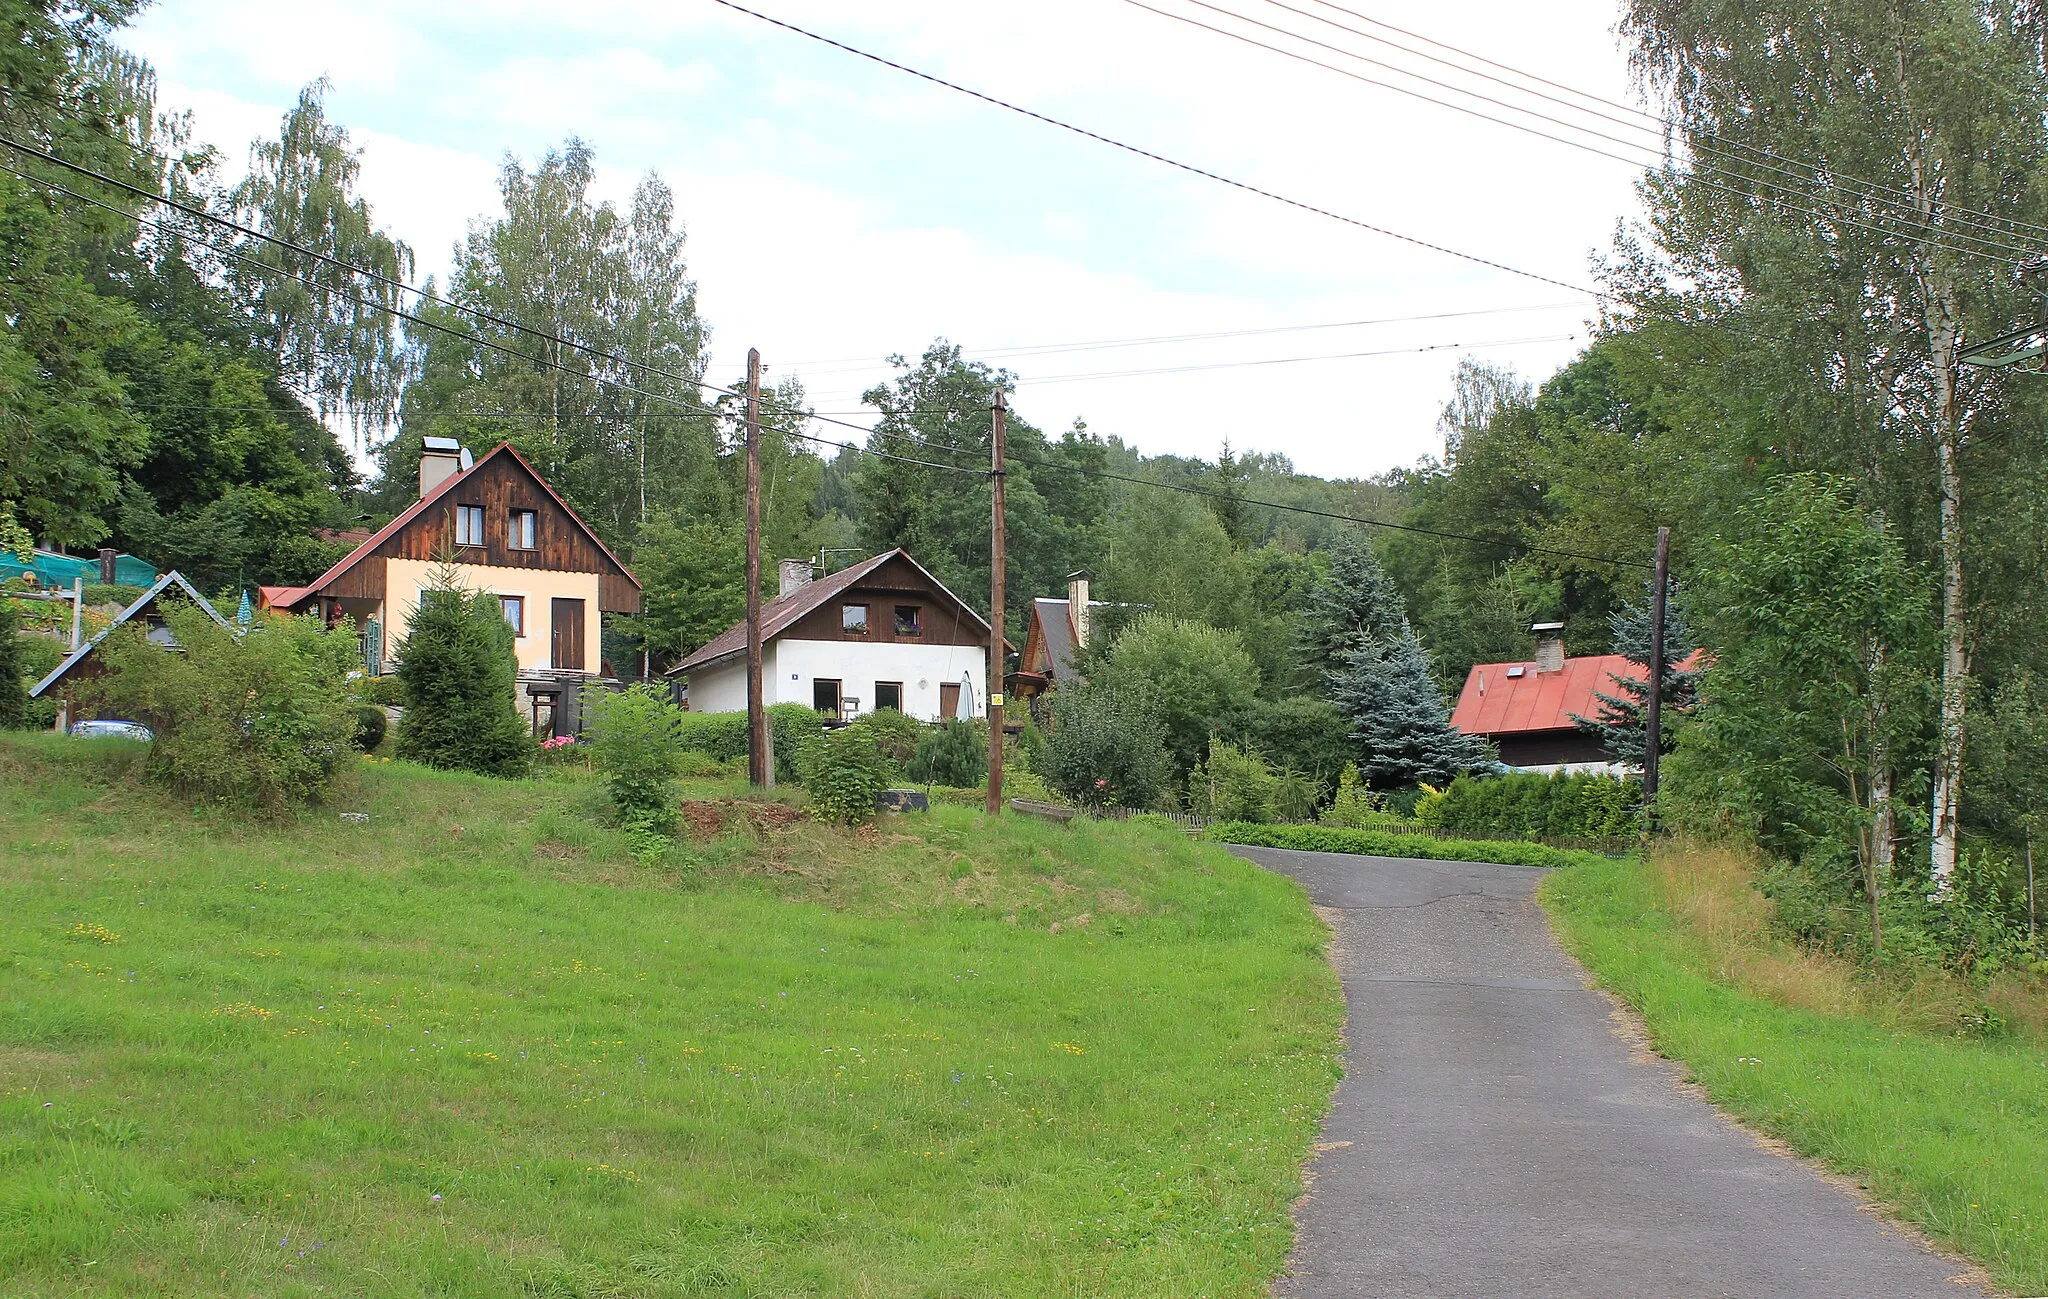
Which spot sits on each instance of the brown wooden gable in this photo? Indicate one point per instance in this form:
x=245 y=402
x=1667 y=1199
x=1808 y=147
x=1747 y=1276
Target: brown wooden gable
x=501 y=482
x=942 y=620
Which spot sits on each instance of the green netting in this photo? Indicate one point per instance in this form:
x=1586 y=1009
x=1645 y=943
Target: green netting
x=52 y=569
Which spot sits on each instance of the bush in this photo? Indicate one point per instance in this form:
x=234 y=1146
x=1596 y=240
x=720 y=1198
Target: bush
x=895 y=735
x=842 y=771
x=1193 y=676
x=370 y=726
x=635 y=740
x=1525 y=805
x=953 y=753
x=386 y=691
x=1106 y=750
x=258 y=718
x=1380 y=843
x=722 y=736
x=104 y=593
x=1233 y=784
x=461 y=677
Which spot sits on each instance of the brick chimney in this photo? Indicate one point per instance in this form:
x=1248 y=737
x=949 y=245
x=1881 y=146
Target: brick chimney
x=440 y=460
x=1077 y=605
x=1549 y=646
x=795 y=574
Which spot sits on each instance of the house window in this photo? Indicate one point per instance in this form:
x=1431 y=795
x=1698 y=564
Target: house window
x=469 y=525
x=889 y=694
x=825 y=697
x=906 y=620
x=514 y=609
x=521 y=530
x=853 y=619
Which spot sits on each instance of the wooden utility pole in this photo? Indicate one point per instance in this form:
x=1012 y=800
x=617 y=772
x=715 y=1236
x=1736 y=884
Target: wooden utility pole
x=758 y=771
x=1653 y=711
x=1001 y=412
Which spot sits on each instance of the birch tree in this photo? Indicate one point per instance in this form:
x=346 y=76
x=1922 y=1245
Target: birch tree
x=1875 y=175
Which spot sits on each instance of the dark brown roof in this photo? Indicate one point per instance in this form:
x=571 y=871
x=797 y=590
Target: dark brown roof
x=779 y=614
x=1056 y=627
x=287 y=597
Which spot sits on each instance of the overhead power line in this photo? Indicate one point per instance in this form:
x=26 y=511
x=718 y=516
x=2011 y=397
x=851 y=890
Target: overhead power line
x=1823 y=174
x=1105 y=344
x=1799 y=201
x=1175 y=163
x=855 y=448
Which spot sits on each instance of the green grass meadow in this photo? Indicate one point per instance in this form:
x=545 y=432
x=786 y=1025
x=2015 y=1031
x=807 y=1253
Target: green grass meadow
x=475 y=1047
x=1949 y=1132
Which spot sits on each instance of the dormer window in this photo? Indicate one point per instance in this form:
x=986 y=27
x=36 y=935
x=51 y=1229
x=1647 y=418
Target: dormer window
x=521 y=530
x=469 y=525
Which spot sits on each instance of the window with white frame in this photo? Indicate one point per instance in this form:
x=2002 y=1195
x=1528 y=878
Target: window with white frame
x=469 y=525
x=521 y=530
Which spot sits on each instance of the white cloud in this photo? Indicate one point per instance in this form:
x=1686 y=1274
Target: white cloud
x=839 y=209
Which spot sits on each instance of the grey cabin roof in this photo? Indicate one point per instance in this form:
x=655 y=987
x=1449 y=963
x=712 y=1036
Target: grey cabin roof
x=142 y=602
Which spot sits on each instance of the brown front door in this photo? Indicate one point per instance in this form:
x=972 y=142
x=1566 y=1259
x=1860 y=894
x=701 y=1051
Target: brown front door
x=949 y=700
x=566 y=649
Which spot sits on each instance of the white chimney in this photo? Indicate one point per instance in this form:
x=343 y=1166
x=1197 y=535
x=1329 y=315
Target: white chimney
x=1077 y=605
x=440 y=460
x=1549 y=646
x=796 y=574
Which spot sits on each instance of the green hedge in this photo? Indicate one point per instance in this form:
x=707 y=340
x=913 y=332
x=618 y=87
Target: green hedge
x=723 y=736
x=1525 y=805
x=1378 y=843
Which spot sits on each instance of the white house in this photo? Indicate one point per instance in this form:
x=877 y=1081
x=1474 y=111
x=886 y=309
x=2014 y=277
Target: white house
x=883 y=633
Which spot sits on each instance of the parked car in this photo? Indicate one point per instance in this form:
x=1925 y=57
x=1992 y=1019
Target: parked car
x=106 y=728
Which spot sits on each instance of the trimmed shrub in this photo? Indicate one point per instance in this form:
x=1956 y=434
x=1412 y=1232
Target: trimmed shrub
x=1524 y=805
x=953 y=753
x=370 y=727
x=258 y=718
x=723 y=736
x=1232 y=784
x=1379 y=843
x=634 y=738
x=1106 y=749
x=718 y=735
x=460 y=676
x=842 y=771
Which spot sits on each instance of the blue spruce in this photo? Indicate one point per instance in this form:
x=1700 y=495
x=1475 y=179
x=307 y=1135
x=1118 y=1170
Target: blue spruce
x=1379 y=678
x=1620 y=723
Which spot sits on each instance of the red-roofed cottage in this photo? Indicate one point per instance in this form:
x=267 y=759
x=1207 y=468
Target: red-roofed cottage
x=504 y=530
x=1529 y=710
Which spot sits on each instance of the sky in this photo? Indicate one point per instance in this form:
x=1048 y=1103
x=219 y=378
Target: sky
x=839 y=212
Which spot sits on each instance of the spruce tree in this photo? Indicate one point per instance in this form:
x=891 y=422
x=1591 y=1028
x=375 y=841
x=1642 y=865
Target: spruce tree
x=1357 y=633
x=1358 y=603
x=1620 y=723
x=1400 y=728
x=460 y=676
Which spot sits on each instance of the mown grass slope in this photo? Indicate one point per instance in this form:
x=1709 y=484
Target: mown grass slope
x=1949 y=1131
x=473 y=1047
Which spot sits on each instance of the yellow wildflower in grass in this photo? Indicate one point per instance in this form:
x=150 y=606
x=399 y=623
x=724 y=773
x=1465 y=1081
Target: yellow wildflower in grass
x=235 y=1009
x=1070 y=1048
x=86 y=930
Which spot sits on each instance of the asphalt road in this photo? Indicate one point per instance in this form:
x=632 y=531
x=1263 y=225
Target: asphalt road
x=1495 y=1136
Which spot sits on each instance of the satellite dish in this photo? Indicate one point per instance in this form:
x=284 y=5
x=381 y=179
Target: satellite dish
x=467 y=459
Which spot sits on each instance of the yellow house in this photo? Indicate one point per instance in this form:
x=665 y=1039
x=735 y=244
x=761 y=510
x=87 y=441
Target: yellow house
x=503 y=530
